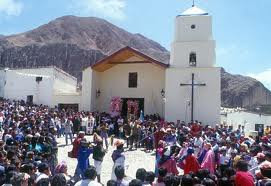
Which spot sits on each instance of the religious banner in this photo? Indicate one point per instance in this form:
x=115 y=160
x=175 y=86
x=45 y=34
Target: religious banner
x=132 y=108
x=115 y=106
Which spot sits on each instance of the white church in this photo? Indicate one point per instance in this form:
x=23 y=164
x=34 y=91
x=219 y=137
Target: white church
x=129 y=82
x=188 y=88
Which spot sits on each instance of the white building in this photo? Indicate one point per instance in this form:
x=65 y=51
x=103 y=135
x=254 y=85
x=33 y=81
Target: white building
x=131 y=75
x=113 y=77
x=45 y=85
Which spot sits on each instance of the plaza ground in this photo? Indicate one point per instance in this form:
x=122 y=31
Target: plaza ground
x=134 y=160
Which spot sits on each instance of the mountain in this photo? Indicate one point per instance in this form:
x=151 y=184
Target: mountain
x=243 y=91
x=73 y=43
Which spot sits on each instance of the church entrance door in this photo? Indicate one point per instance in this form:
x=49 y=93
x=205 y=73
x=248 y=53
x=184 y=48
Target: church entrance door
x=124 y=111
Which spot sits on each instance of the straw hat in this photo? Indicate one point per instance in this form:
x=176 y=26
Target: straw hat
x=118 y=143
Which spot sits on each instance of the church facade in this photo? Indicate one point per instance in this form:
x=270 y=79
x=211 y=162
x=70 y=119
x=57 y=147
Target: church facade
x=129 y=75
x=188 y=88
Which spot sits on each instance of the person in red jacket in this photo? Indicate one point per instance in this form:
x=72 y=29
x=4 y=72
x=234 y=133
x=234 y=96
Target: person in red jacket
x=76 y=144
x=243 y=177
x=191 y=163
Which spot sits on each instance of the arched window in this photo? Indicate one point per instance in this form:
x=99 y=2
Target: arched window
x=192 y=59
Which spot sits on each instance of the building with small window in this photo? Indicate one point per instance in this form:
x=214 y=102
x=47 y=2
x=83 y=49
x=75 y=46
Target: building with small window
x=44 y=85
x=187 y=88
x=128 y=74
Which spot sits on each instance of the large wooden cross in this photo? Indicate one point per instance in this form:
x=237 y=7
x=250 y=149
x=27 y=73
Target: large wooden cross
x=193 y=84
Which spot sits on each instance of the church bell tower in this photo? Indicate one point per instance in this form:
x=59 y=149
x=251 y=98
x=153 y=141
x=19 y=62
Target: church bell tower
x=193 y=43
x=193 y=80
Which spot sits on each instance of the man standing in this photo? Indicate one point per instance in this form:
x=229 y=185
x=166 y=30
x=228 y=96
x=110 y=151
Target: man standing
x=127 y=132
x=83 y=159
x=68 y=130
x=98 y=155
x=198 y=144
x=76 y=125
x=135 y=135
x=104 y=135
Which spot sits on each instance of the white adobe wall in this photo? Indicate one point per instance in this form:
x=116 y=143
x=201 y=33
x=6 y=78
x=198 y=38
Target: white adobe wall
x=202 y=32
x=206 y=99
x=205 y=51
x=67 y=99
x=86 y=89
x=22 y=82
x=19 y=85
x=2 y=82
x=151 y=80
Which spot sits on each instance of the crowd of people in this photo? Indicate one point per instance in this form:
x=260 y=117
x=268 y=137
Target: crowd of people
x=186 y=154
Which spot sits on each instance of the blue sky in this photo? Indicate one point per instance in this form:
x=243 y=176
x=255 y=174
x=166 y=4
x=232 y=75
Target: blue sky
x=241 y=27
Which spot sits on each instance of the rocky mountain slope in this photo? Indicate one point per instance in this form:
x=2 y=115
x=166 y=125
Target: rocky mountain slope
x=243 y=91
x=73 y=43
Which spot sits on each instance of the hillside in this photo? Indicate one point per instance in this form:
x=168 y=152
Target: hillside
x=73 y=43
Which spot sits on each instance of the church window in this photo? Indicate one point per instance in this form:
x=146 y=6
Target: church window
x=132 y=80
x=193 y=26
x=192 y=59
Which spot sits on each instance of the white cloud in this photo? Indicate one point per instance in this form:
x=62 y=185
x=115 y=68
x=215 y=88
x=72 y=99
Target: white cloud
x=264 y=77
x=107 y=8
x=11 y=7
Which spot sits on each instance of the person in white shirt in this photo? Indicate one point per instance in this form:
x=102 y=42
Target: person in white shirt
x=224 y=160
x=84 y=123
x=198 y=144
x=68 y=130
x=90 y=175
x=90 y=125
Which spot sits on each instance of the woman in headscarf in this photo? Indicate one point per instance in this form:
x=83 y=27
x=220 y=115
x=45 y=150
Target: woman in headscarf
x=191 y=163
x=118 y=158
x=62 y=168
x=209 y=159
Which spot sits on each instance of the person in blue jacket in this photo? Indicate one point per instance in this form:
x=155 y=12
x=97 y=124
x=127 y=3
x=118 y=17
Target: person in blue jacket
x=84 y=152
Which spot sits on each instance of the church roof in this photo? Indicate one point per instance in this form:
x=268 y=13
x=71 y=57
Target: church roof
x=194 y=11
x=126 y=55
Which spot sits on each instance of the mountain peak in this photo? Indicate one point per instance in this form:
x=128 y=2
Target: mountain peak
x=88 y=33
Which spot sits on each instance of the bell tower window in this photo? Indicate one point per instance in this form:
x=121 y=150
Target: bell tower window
x=192 y=59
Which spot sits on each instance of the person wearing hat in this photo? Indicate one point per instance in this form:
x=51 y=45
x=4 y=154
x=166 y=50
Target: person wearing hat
x=98 y=155
x=84 y=152
x=118 y=158
x=76 y=144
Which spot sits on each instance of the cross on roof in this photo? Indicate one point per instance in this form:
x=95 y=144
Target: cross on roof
x=193 y=3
